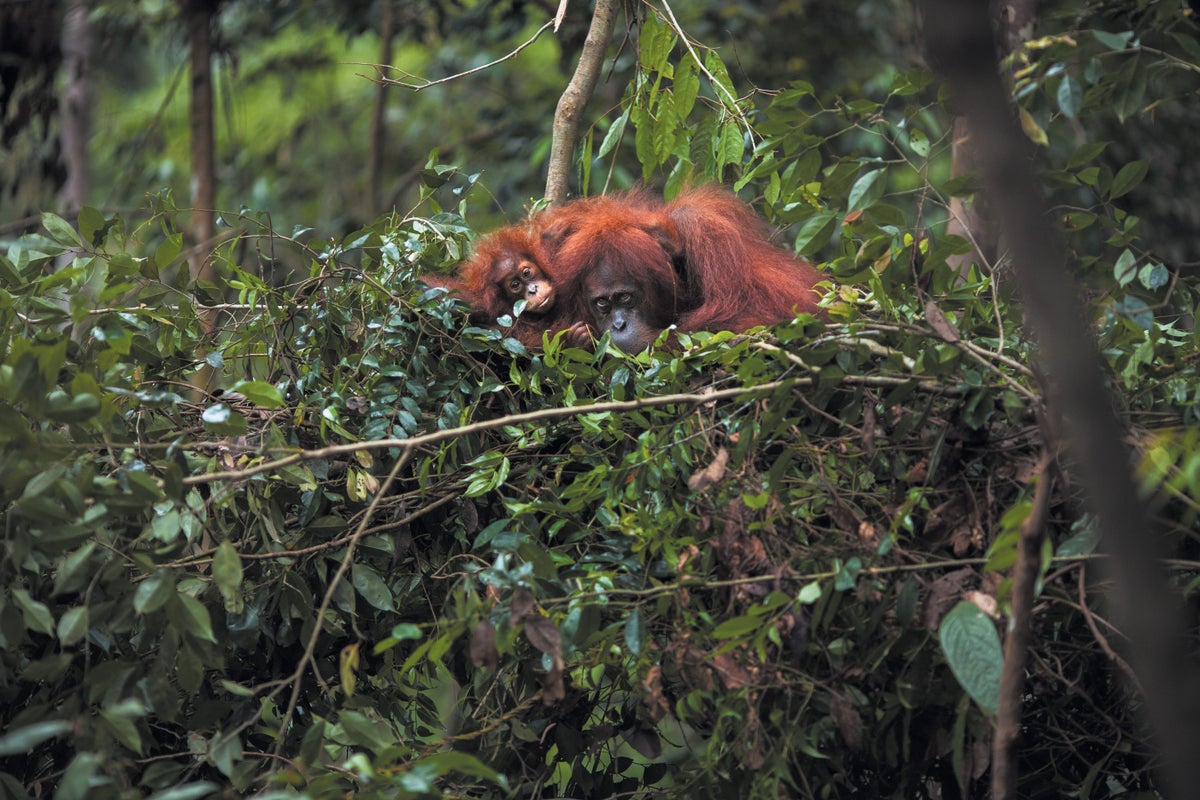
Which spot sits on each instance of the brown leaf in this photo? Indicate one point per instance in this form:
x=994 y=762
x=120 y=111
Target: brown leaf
x=645 y=741
x=848 y=722
x=522 y=605
x=652 y=695
x=942 y=593
x=732 y=675
x=713 y=473
x=553 y=688
x=482 y=647
x=941 y=325
x=542 y=634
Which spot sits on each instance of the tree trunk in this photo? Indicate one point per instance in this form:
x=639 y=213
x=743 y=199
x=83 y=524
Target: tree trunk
x=75 y=106
x=971 y=217
x=571 y=105
x=199 y=21
x=378 y=143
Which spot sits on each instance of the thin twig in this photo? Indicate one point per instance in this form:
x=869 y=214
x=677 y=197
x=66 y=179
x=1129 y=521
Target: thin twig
x=425 y=83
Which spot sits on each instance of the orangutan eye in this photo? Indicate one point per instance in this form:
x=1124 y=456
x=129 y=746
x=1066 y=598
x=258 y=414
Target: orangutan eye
x=515 y=285
x=602 y=305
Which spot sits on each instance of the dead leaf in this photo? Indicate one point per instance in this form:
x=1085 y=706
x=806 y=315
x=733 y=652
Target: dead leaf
x=482 y=647
x=941 y=325
x=848 y=722
x=542 y=634
x=522 y=605
x=713 y=473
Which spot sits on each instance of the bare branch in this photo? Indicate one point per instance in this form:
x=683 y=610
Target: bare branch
x=575 y=98
x=417 y=83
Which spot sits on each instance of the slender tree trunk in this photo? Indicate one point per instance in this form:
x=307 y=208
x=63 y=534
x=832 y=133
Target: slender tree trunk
x=571 y=105
x=971 y=217
x=961 y=44
x=75 y=108
x=378 y=143
x=199 y=20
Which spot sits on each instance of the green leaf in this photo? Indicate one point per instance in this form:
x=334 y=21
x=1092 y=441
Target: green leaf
x=91 y=221
x=1070 y=96
x=62 y=407
x=1085 y=153
x=738 y=626
x=73 y=625
x=613 y=136
x=227 y=572
x=1128 y=178
x=867 y=189
x=191 y=791
x=24 y=740
x=167 y=251
x=635 y=632
x=1154 y=276
x=815 y=232
x=76 y=782
x=152 y=593
x=36 y=614
x=191 y=616
x=260 y=393
x=372 y=588
x=972 y=647
x=919 y=142
x=1113 y=41
x=1125 y=270
x=60 y=230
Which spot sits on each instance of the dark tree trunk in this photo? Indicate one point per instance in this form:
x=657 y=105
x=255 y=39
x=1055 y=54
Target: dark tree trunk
x=75 y=104
x=378 y=143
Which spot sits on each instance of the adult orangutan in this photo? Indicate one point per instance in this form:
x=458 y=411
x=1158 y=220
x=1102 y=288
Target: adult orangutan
x=702 y=262
x=509 y=265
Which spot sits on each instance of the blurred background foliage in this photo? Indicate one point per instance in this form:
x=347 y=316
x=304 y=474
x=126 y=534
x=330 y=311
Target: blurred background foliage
x=396 y=555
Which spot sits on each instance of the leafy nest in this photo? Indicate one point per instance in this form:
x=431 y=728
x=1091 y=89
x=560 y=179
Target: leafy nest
x=403 y=557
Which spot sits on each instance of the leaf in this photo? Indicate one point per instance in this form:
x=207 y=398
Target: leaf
x=60 y=230
x=919 y=142
x=348 y=661
x=1032 y=130
x=1070 y=96
x=90 y=221
x=191 y=791
x=372 y=588
x=168 y=250
x=36 y=614
x=815 y=232
x=542 y=634
x=635 y=632
x=227 y=572
x=24 y=740
x=1113 y=41
x=153 y=592
x=1154 y=276
x=867 y=189
x=190 y=615
x=482 y=646
x=1125 y=270
x=973 y=651
x=613 y=136
x=260 y=393
x=73 y=625
x=1128 y=178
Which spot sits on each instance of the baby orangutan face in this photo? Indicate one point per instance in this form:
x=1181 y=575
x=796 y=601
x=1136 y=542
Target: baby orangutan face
x=520 y=278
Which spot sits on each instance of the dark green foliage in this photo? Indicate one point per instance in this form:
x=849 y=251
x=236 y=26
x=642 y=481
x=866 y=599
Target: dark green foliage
x=401 y=557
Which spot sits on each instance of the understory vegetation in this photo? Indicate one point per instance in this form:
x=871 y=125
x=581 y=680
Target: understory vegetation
x=396 y=555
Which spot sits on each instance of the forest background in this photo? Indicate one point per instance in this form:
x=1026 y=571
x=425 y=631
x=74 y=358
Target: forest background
x=279 y=522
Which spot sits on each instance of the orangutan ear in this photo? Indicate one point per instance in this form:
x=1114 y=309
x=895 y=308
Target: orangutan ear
x=663 y=232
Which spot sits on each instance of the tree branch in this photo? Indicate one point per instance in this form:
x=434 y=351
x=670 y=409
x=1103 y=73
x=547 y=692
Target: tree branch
x=961 y=44
x=575 y=98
